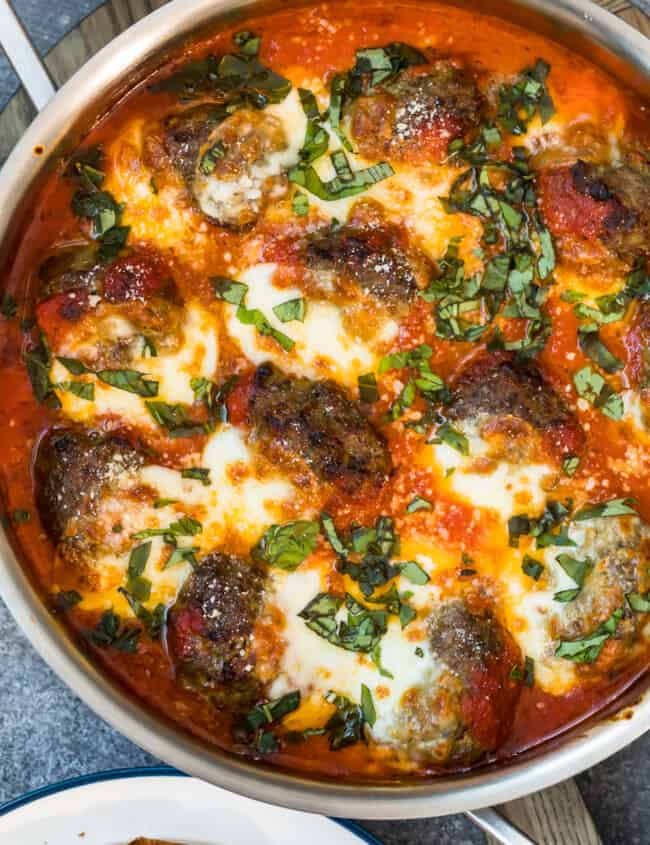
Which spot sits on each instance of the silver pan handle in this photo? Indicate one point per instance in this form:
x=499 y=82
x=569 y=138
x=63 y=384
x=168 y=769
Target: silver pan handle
x=498 y=827
x=24 y=57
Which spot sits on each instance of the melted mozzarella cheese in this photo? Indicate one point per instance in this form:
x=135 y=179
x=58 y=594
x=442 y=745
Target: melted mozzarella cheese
x=323 y=346
x=505 y=487
x=197 y=356
x=221 y=199
x=236 y=506
x=314 y=666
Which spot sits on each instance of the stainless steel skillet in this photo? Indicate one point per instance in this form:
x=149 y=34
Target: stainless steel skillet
x=608 y=41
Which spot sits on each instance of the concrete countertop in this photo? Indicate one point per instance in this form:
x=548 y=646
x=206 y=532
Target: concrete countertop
x=47 y=734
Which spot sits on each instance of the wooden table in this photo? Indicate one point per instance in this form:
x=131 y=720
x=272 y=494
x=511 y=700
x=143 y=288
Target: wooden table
x=555 y=816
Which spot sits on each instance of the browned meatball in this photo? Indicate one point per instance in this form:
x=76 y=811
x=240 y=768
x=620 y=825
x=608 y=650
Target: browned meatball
x=619 y=550
x=415 y=115
x=468 y=708
x=605 y=203
x=375 y=259
x=232 y=164
x=210 y=626
x=316 y=422
x=489 y=389
x=73 y=470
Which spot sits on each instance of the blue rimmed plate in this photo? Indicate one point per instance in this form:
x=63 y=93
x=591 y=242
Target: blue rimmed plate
x=113 y=808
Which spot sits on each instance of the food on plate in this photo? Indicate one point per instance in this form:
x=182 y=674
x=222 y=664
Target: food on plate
x=325 y=409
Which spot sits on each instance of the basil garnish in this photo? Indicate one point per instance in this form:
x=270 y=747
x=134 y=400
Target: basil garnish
x=197 y=474
x=614 y=507
x=368 y=390
x=132 y=381
x=109 y=632
x=588 y=649
x=286 y=546
x=361 y=631
x=591 y=386
x=417 y=503
x=533 y=568
x=293 y=309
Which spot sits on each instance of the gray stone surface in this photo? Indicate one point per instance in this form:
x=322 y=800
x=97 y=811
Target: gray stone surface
x=47 y=734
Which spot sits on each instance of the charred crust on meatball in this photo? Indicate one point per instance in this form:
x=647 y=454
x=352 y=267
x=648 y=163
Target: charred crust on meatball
x=317 y=423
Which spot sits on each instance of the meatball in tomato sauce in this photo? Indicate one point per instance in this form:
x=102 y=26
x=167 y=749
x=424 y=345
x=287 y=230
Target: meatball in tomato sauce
x=413 y=116
x=584 y=202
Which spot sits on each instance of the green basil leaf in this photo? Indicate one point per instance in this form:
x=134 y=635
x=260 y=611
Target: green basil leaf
x=286 y=546
x=414 y=572
x=293 y=309
x=175 y=419
x=229 y=290
x=638 y=602
x=132 y=381
x=567 y=595
x=576 y=569
x=588 y=649
x=198 y=474
x=138 y=560
x=614 y=507
x=570 y=464
x=82 y=389
x=331 y=536
x=368 y=706
x=417 y=503
x=595 y=349
x=339 y=187
x=449 y=435
x=8 y=306
x=368 y=391
x=533 y=568
x=182 y=555
x=254 y=317
x=74 y=366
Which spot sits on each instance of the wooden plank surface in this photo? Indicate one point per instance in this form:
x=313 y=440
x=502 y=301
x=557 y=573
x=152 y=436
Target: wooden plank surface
x=556 y=816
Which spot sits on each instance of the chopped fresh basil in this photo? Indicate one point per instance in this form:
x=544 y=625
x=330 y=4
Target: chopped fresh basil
x=316 y=140
x=19 y=516
x=570 y=464
x=240 y=76
x=346 y=183
x=533 y=568
x=38 y=361
x=138 y=560
x=82 y=389
x=198 y=474
x=210 y=158
x=182 y=555
x=417 y=503
x=186 y=526
x=162 y=503
x=542 y=528
x=591 y=386
x=614 y=507
x=175 y=419
x=300 y=204
x=138 y=591
x=286 y=546
x=74 y=366
x=414 y=572
x=109 y=632
x=576 y=569
x=368 y=390
x=131 y=381
x=565 y=596
x=346 y=725
x=375 y=656
x=416 y=357
x=594 y=348
x=254 y=317
x=368 y=706
x=229 y=290
x=331 y=536
x=521 y=100
x=638 y=602
x=396 y=604
x=525 y=674
x=360 y=632
x=588 y=649
x=293 y=309
x=449 y=435
x=271 y=711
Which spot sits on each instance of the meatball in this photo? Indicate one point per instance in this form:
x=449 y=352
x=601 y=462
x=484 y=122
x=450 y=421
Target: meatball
x=316 y=422
x=491 y=391
x=607 y=203
x=137 y=287
x=637 y=342
x=73 y=470
x=415 y=115
x=467 y=710
x=210 y=626
x=231 y=166
x=619 y=549
x=375 y=259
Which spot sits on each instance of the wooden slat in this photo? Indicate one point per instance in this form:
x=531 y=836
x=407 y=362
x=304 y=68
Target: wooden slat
x=66 y=60
x=555 y=816
x=98 y=29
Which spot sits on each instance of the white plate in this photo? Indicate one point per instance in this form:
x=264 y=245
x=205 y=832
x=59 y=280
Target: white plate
x=112 y=808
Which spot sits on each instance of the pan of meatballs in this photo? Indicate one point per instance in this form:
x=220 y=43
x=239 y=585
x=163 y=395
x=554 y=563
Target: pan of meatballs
x=325 y=416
